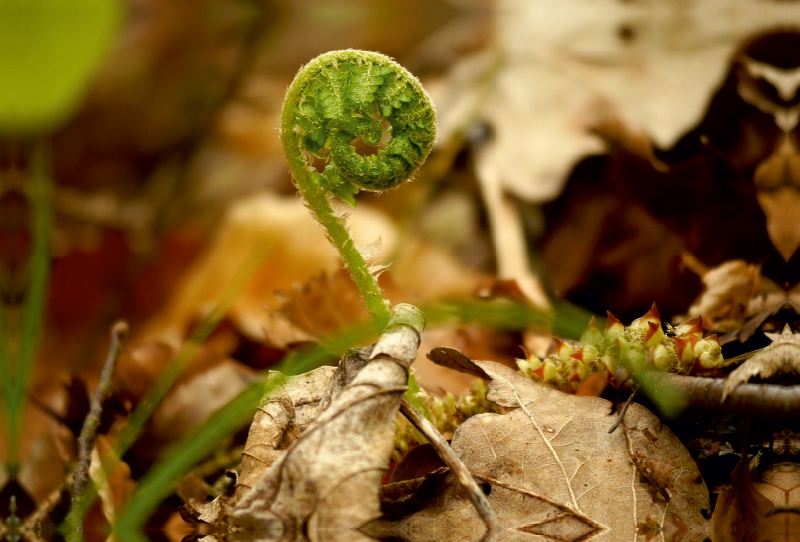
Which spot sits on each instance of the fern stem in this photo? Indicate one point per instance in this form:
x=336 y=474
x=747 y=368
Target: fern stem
x=335 y=99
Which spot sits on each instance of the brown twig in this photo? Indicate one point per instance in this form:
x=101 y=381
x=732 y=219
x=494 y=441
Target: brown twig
x=446 y=453
x=92 y=423
x=31 y=528
x=624 y=409
x=768 y=400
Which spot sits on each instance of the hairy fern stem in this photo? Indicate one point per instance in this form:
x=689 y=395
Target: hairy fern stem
x=335 y=99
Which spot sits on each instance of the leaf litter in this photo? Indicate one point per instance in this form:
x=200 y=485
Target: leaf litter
x=550 y=468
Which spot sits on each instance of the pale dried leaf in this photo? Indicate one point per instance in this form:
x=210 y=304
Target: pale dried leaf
x=728 y=287
x=372 y=250
x=114 y=490
x=765 y=510
x=550 y=468
x=508 y=232
x=285 y=412
x=560 y=63
x=782 y=356
x=780 y=206
x=205 y=512
x=326 y=485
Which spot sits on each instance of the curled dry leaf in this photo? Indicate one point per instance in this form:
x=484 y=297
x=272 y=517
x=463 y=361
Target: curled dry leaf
x=550 y=468
x=765 y=510
x=285 y=412
x=326 y=485
x=782 y=356
x=730 y=289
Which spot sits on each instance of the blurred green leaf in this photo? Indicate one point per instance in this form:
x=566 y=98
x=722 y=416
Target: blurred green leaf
x=49 y=49
x=668 y=398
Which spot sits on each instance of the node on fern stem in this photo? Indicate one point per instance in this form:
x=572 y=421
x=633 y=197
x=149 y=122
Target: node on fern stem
x=342 y=96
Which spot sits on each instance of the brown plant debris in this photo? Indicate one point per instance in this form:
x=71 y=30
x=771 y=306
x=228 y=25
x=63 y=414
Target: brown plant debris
x=550 y=468
x=765 y=510
x=326 y=485
x=465 y=479
x=782 y=356
x=285 y=412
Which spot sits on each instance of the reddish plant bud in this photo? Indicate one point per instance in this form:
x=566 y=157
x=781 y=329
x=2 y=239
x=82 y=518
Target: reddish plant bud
x=613 y=326
x=563 y=350
x=651 y=316
x=684 y=348
x=547 y=371
x=691 y=327
x=592 y=335
x=654 y=334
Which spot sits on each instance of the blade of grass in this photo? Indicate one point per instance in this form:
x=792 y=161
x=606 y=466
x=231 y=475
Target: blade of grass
x=565 y=320
x=17 y=372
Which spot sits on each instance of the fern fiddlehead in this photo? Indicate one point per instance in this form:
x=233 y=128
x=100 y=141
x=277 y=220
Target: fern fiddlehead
x=334 y=100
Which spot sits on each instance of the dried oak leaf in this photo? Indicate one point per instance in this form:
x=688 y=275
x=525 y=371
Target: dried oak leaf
x=766 y=510
x=552 y=472
x=326 y=485
x=284 y=414
x=729 y=290
x=782 y=356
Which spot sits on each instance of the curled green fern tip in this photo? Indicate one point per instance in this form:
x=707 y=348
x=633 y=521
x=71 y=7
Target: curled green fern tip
x=333 y=101
x=344 y=95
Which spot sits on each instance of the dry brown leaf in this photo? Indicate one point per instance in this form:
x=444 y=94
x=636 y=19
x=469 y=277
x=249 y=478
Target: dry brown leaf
x=782 y=356
x=114 y=490
x=780 y=206
x=781 y=485
x=549 y=467
x=652 y=68
x=734 y=291
x=284 y=414
x=205 y=512
x=326 y=485
x=766 y=510
x=295 y=249
x=324 y=305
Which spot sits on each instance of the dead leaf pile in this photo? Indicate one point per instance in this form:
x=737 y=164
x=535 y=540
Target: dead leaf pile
x=762 y=510
x=325 y=486
x=550 y=468
x=780 y=357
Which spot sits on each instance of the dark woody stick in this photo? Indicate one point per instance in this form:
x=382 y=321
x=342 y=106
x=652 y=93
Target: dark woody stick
x=446 y=453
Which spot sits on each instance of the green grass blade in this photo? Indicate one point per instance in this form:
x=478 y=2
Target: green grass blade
x=17 y=372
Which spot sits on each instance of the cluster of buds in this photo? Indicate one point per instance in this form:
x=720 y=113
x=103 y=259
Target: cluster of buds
x=615 y=354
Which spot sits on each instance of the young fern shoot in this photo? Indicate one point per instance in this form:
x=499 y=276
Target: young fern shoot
x=334 y=100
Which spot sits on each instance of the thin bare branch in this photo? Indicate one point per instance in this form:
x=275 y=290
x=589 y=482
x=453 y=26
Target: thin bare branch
x=770 y=400
x=457 y=467
x=92 y=423
x=624 y=409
